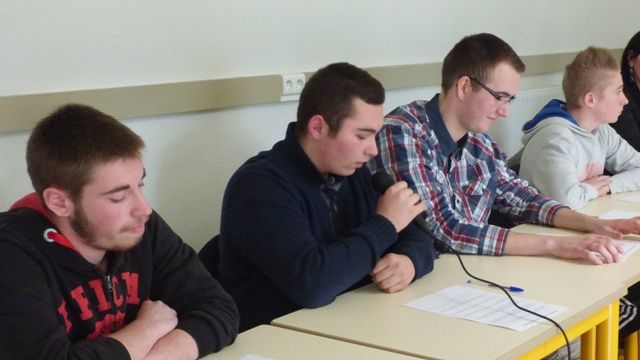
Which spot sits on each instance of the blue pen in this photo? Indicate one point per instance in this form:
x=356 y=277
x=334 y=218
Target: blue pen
x=508 y=288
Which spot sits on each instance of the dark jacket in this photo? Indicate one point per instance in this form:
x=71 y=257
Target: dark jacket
x=55 y=304
x=280 y=250
x=628 y=124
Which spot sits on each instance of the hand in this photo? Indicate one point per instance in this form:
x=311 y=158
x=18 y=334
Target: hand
x=600 y=183
x=393 y=272
x=618 y=227
x=400 y=205
x=598 y=249
x=158 y=316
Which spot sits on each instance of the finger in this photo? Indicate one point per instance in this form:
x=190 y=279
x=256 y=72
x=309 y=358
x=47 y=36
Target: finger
x=390 y=283
x=399 y=186
x=383 y=275
x=395 y=288
x=414 y=198
x=615 y=250
x=593 y=257
x=604 y=252
x=380 y=265
x=617 y=246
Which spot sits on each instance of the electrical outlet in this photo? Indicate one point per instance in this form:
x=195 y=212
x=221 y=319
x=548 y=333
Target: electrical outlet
x=292 y=84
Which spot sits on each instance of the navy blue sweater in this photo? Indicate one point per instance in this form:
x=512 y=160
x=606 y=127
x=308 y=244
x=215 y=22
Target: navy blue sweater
x=279 y=251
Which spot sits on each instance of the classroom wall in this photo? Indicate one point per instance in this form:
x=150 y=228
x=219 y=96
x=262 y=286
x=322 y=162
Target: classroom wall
x=72 y=45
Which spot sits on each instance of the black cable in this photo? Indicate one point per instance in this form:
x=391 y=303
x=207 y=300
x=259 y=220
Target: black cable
x=456 y=253
x=381 y=181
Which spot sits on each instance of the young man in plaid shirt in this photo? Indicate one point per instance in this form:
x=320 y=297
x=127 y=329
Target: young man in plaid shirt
x=441 y=149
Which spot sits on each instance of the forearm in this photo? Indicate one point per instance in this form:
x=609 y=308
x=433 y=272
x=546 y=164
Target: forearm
x=176 y=345
x=527 y=244
x=625 y=181
x=138 y=338
x=568 y=219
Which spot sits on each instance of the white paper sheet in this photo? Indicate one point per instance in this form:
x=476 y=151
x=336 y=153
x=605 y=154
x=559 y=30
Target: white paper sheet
x=628 y=247
x=485 y=307
x=254 y=357
x=633 y=198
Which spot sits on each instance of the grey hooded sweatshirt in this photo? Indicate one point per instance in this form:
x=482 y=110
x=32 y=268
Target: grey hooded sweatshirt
x=558 y=155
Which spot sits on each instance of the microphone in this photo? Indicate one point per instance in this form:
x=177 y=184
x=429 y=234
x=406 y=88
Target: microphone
x=381 y=181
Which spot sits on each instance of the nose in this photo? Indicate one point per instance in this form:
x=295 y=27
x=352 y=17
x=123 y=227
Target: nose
x=625 y=101
x=503 y=109
x=141 y=207
x=371 y=149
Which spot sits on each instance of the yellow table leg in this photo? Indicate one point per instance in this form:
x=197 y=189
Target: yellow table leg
x=588 y=345
x=607 y=334
x=631 y=347
x=601 y=320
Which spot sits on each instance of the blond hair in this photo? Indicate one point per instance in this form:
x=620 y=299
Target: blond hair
x=587 y=72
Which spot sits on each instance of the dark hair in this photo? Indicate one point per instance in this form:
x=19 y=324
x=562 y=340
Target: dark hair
x=330 y=93
x=632 y=50
x=65 y=146
x=477 y=56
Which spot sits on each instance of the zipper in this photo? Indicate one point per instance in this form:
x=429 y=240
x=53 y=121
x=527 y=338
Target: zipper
x=107 y=279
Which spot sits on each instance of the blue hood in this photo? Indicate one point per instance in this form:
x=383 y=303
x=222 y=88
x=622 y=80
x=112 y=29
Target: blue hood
x=554 y=108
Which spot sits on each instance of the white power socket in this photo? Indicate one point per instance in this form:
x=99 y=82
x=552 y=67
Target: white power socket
x=292 y=85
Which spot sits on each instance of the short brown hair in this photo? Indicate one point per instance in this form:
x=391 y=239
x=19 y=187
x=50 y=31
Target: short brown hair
x=586 y=73
x=65 y=146
x=476 y=56
x=330 y=93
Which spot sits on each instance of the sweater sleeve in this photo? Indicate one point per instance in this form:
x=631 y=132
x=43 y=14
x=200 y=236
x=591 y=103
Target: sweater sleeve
x=266 y=218
x=205 y=310
x=549 y=163
x=517 y=198
x=417 y=244
x=30 y=324
x=622 y=160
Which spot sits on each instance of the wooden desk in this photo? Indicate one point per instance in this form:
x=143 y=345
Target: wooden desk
x=369 y=317
x=627 y=272
x=282 y=344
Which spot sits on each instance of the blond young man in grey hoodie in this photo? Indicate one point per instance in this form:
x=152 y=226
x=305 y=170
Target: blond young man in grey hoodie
x=567 y=146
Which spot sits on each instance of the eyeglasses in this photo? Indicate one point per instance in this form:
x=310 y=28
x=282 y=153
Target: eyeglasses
x=501 y=97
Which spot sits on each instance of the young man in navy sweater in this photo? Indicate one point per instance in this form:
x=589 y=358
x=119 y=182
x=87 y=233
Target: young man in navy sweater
x=301 y=222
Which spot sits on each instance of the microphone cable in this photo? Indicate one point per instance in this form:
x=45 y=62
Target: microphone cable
x=381 y=181
x=564 y=334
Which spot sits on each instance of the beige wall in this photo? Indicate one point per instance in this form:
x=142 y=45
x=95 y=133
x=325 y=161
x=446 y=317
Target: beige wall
x=75 y=47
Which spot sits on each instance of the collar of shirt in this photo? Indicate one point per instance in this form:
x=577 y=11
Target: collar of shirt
x=301 y=164
x=447 y=145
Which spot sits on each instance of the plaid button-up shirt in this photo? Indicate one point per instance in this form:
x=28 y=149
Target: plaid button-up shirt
x=459 y=182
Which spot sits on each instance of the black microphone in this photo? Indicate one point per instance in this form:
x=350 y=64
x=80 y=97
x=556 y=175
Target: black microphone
x=381 y=182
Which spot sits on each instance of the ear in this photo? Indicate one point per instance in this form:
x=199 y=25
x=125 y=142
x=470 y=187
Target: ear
x=588 y=100
x=463 y=86
x=630 y=56
x=58 y=201
x=316 y=126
